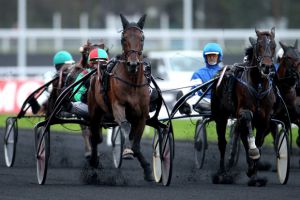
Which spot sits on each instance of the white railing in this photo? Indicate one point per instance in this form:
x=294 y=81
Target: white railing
x=51 y=40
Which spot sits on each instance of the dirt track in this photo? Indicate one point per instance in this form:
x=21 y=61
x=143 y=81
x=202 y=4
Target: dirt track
x=64 y=179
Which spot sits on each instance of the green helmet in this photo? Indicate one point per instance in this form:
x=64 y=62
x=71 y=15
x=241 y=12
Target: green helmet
x=62 y=57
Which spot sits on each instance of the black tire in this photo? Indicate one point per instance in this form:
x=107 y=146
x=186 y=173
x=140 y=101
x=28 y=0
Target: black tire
x=10 y=141
x=200 y=143
x=117 y=141
x=156 y=157
x=42 y=147
x=167 y=156
x=233 y=149
x=283 y=156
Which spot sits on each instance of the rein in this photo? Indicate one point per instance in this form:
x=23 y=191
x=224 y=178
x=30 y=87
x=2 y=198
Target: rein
x=257 y=93
x=127 y=82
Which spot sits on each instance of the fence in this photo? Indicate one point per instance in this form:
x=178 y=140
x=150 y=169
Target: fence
x=48 y=41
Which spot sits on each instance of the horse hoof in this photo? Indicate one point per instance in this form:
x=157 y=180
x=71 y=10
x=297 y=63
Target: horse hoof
x=94 y=162
x=263 y=166
x=257 y=182
x=127 y=154
x=87 y=155
x=254 y=154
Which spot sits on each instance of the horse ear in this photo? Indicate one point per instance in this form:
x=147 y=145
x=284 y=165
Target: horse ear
x=296 y=44
x=88 y=42
x=141 y=22
x=273 y=31
x=124 y=21
x=283 y=46
x=252 y=41
x=257 y=31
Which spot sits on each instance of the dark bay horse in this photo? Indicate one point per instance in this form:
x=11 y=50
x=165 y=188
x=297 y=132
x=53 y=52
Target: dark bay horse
x=286 y=79
x=127 y=99
x=252 y=104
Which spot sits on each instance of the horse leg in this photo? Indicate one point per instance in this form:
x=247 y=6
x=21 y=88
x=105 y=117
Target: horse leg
x=298 y=137
x=125 y=126
x=221 y=176
x=233 y=148
x=138 y=129
x=255 y=180
x=86 y=138
x=95 y=139
x=246 y=118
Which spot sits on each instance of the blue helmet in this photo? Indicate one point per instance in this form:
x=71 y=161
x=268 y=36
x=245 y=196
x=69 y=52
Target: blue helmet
x=213 y=48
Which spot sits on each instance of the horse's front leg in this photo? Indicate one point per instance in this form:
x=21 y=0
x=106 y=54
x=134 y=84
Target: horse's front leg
x=137 y=132
x=125 y=126
x=246 y=117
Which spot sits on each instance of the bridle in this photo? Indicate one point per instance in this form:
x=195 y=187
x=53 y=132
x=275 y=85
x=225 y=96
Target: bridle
x=264 y=69
x=127 y=53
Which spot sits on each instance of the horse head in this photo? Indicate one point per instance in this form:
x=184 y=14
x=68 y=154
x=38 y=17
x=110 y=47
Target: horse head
x=86 y=49
x=264 y=49
x=291 y=57
x=132 y=43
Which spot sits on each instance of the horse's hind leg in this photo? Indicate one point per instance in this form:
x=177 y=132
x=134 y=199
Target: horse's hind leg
x=86 y=138
x=95 y=139
x=221 y=176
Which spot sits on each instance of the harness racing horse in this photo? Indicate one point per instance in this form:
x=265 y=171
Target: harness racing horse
x=67 y=76
x=253 y=100
x=287 y=79
x=126 y=100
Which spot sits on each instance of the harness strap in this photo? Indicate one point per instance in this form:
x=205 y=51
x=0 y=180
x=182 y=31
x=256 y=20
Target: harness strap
x=257 y=94
x=129 y=83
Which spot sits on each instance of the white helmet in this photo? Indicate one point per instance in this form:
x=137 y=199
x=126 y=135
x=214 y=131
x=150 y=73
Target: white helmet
x=279 y=53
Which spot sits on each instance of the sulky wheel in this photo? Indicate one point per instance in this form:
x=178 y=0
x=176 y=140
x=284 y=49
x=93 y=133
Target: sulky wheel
x=117 y=140
x=42 y=147
x=156 y=158
x=200 y=143
x=283 y=156
x=10 y=140
x=167 y=154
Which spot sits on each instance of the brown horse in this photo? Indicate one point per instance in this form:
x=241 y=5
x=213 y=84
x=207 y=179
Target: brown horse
x=67 y=75
x=253 y=100
x=127 y=100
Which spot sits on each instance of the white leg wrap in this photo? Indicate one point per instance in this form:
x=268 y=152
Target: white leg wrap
x=251 y=142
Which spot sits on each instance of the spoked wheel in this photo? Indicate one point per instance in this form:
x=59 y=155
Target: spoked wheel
x=117 y=140
x=156 y=156
x=42 y=147
x=200 y=143
x=283 y=157
x=10 y=140
x=234 y=146
x=167 y=156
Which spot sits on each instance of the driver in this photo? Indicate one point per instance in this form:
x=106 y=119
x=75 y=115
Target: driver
x=213 y=55
x=79 y=105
